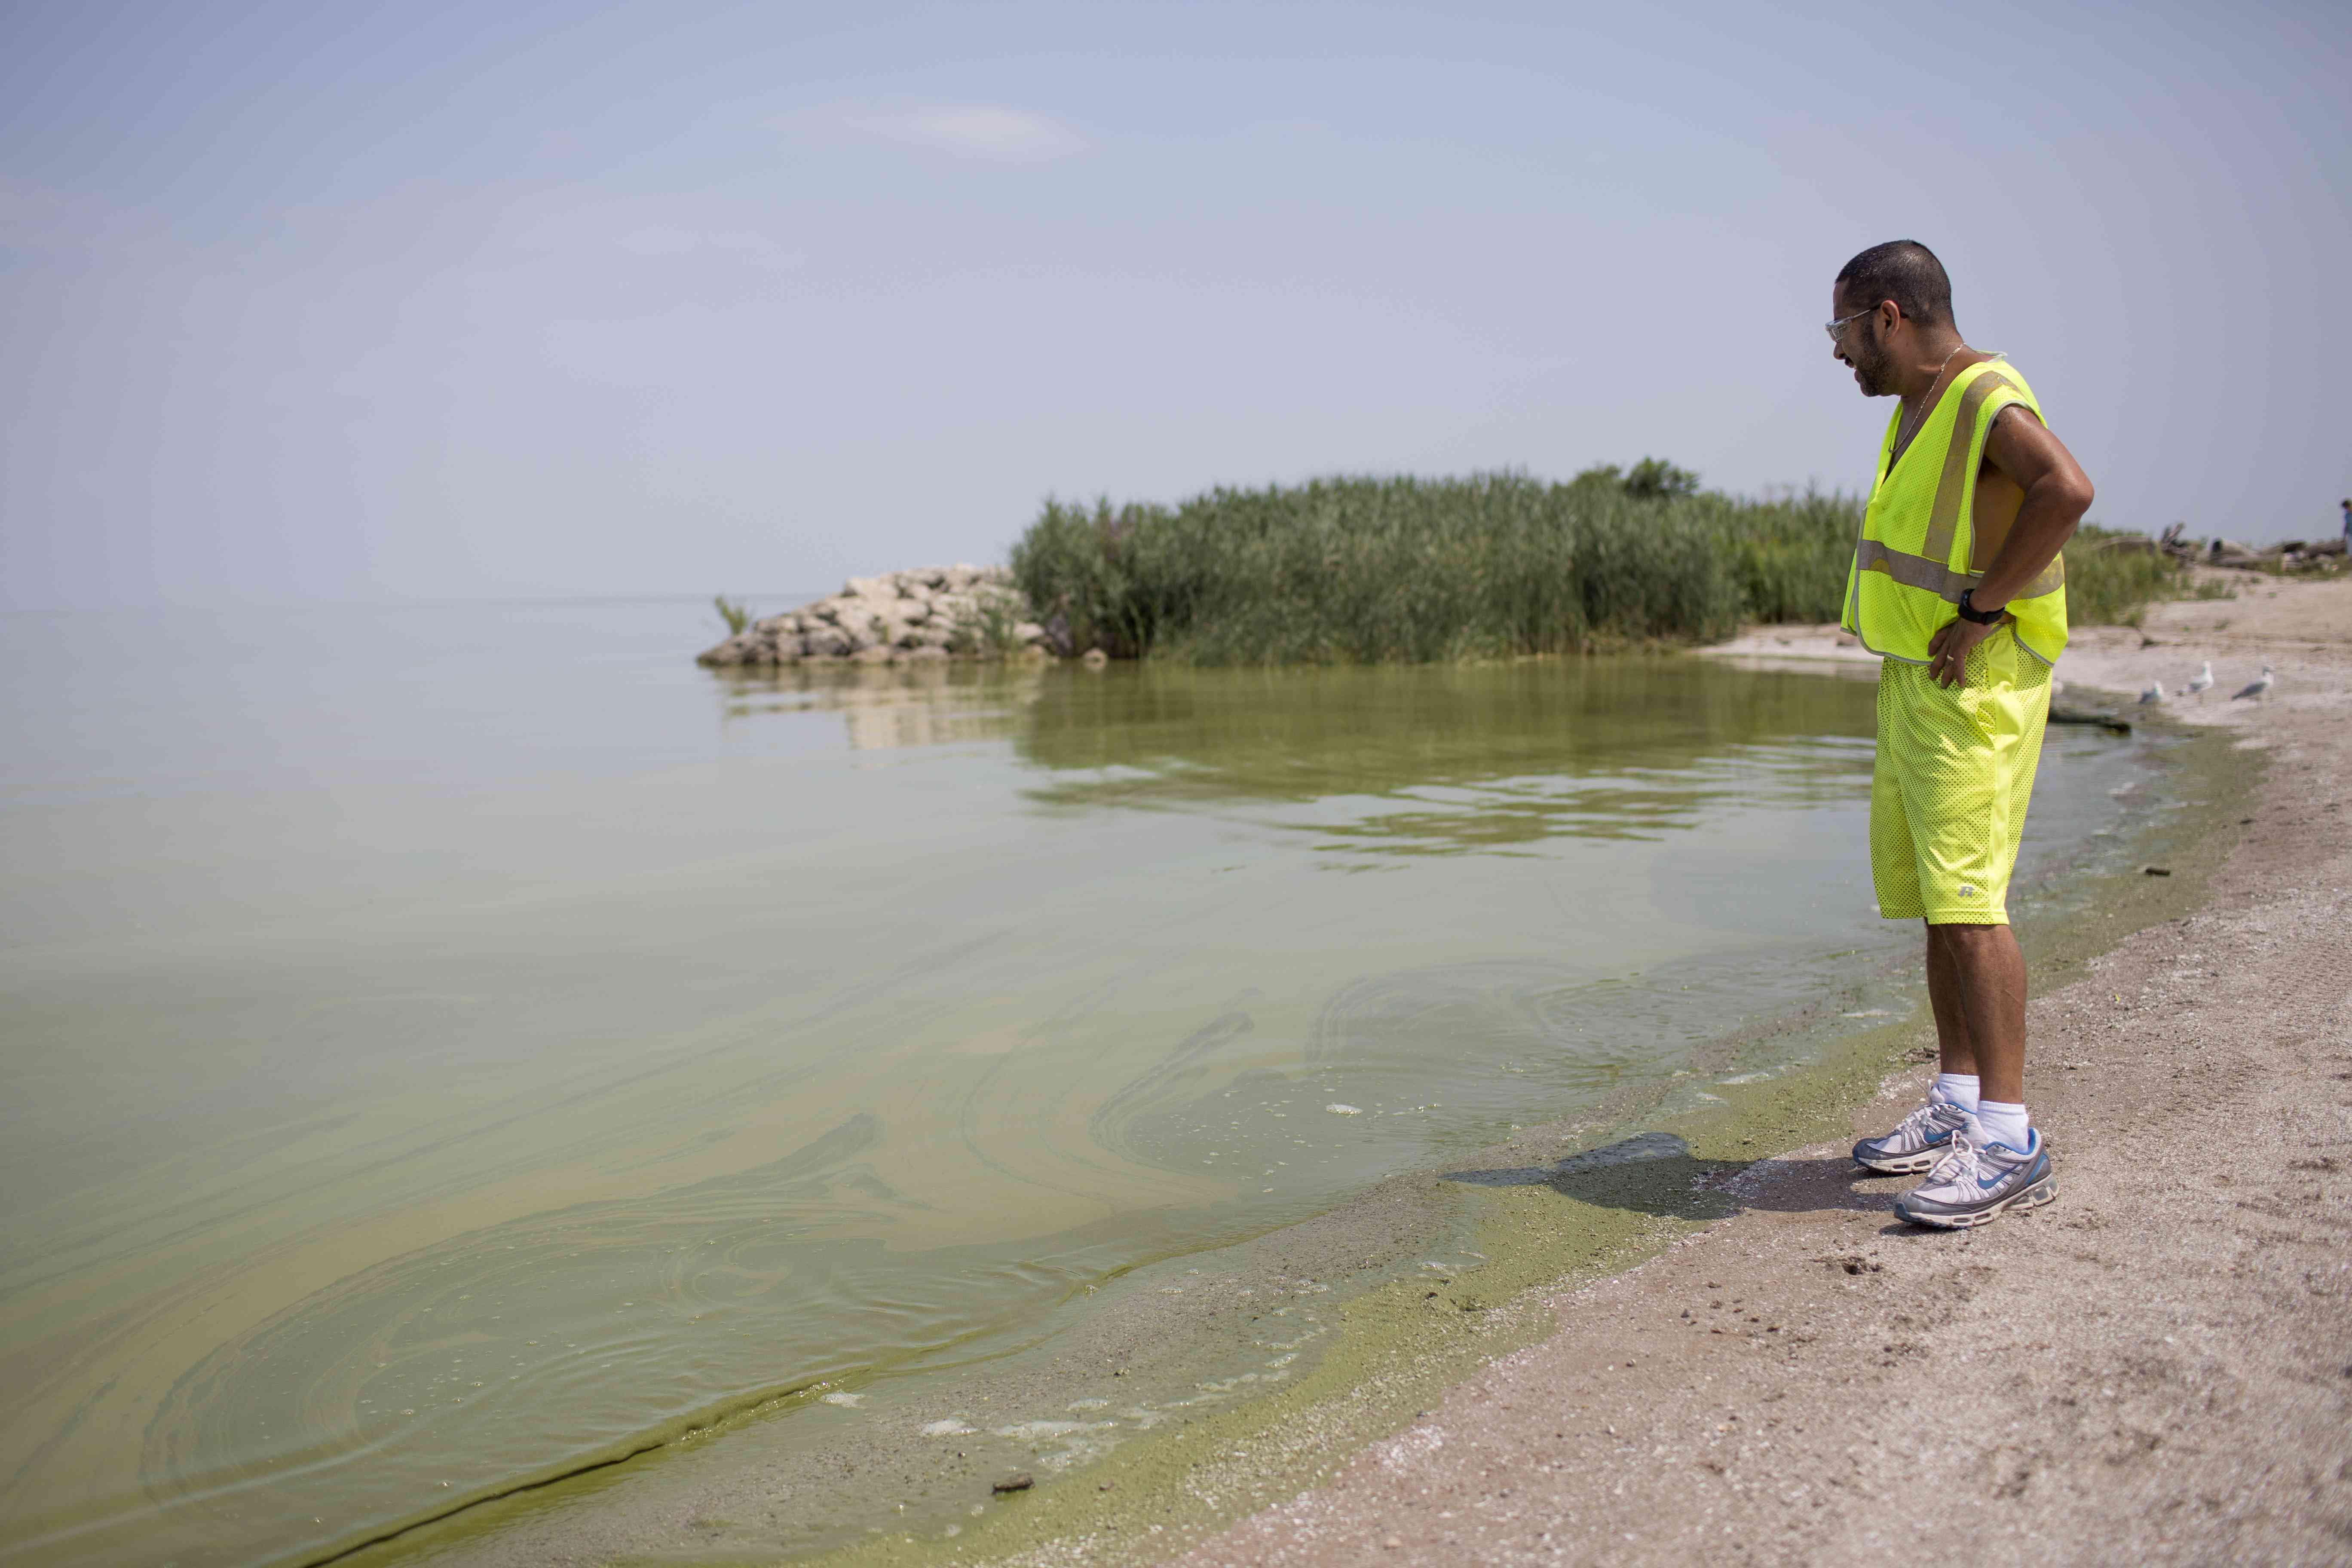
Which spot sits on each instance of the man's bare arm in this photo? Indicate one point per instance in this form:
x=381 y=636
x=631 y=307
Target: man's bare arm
x=2057 y=494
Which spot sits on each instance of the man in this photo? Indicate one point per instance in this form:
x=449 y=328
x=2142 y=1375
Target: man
x=2347 y=524
x=1957 y=586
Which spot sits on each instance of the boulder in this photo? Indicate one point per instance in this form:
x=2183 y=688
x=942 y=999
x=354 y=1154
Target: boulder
x=924 y=654
x=740 y=649
x=873 y=654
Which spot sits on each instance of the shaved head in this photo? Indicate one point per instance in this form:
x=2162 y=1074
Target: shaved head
x=1904 y=271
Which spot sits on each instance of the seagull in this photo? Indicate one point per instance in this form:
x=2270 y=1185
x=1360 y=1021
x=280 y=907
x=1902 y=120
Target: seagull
x=2258 y=688
x=2202 y=682
x=2154 y=692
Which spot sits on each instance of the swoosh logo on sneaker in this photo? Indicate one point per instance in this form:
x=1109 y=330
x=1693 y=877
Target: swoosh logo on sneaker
x=1990 y=1181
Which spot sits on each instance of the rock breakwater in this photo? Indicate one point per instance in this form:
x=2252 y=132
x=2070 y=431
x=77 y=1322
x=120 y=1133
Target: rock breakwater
x=928 y=613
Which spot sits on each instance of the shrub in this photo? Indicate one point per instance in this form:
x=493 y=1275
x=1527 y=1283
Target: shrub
x=1653 y=477
x=2109 y=585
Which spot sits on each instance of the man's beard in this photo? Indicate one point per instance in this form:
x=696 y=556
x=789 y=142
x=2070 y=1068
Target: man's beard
x=1870 y=370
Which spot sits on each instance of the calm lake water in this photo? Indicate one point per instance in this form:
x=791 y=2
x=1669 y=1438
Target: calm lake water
x=439 y=1045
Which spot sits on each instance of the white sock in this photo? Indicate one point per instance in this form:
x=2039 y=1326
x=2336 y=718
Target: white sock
x=1956 y=1089
x=2005 y=1124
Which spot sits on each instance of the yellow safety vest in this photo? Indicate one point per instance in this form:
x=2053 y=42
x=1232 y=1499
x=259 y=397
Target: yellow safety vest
x=1912 y=560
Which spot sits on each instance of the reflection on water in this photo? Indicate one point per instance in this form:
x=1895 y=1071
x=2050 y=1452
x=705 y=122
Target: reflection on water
x=882 y=706
x=1471 y=758
x=1460 y=759
x=381 y=1133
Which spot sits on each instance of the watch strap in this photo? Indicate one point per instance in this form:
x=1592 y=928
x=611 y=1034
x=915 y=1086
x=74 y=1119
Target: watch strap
x=1968 y=611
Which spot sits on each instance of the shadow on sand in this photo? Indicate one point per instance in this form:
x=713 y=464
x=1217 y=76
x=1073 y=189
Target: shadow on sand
x=1655 y=1172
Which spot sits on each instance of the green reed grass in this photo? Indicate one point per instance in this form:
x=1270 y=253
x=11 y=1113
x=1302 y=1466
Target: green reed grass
x=1362 y=571
x=2112 y=584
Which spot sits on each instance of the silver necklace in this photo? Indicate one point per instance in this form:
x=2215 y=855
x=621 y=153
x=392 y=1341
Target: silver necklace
x=1903 y=437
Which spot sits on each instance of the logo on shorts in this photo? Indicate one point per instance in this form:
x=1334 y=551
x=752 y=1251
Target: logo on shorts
x=1967 y=891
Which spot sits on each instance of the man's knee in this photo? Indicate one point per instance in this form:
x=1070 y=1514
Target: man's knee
x=1963 y=941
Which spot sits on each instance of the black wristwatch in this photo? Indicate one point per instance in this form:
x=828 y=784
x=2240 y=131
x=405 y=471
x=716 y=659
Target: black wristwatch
x=1968 y=611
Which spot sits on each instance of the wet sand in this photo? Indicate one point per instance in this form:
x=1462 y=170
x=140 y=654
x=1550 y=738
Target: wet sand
x=2154 y=1368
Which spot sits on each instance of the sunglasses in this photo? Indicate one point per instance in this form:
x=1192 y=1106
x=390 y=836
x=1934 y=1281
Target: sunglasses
x=1835 y=328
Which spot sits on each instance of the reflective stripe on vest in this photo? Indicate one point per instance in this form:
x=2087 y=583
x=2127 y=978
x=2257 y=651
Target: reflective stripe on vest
x=1944 y=523
x=1918 y=572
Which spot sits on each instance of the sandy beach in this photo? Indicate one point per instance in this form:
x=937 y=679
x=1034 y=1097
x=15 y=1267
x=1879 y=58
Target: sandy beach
x=2154 y=1368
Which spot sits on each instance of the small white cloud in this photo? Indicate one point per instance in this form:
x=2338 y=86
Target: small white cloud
x=978 y=131
x=661 y=240
x=757 y=246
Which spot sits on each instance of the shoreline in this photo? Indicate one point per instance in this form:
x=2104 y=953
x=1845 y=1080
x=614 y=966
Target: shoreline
x=2149 y=1369
x=1403 y=1352
x=1513 y=1461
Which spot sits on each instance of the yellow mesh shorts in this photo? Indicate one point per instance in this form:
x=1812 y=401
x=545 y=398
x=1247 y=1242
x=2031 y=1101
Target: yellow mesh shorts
x=1948 y=795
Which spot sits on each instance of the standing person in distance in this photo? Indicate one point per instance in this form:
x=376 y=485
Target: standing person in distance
x=1957 y=586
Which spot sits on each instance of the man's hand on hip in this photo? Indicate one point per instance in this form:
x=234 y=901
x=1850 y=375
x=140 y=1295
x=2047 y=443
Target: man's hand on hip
x=1947 y=651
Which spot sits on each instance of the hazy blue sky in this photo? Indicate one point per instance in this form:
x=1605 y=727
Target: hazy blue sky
x=451 y=300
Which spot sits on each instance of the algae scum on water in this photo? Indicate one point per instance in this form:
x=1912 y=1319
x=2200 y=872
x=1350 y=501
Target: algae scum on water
x=886 y=1080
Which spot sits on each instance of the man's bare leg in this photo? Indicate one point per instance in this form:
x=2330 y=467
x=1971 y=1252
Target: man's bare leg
x=1976 y=982
x=1953 y=1046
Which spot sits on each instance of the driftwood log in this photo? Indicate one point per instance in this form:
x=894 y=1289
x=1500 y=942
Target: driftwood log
x=2059 y=715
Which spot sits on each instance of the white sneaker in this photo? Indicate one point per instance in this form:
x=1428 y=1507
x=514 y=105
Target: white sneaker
x=1979 y=1181
x=1918 y=1141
